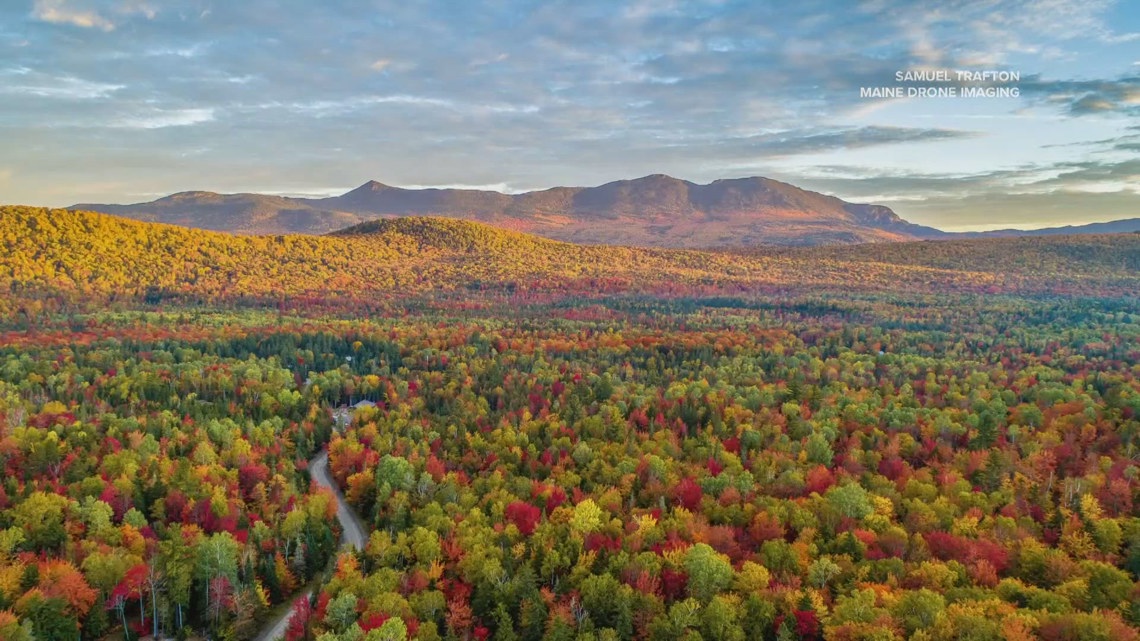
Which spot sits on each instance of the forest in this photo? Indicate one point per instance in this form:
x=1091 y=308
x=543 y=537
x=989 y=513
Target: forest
x=546 y=441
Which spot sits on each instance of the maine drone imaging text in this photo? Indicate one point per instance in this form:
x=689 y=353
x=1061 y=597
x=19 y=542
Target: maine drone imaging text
x=948 y=83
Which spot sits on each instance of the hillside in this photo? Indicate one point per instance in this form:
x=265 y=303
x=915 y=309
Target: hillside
x=1125 y=226
x=656 y=211
x=89 y=256
x=1101 y=254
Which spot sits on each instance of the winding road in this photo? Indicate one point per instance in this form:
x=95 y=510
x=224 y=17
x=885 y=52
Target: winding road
x=352 y=537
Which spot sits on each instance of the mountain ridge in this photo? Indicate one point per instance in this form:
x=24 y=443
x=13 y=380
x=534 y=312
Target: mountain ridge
x=654 y=211
x=1124 y=225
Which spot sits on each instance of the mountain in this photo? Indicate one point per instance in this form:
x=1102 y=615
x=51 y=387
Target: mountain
x=241 y=213
x=657 y=211
x=1125 y=226
x=653 y=211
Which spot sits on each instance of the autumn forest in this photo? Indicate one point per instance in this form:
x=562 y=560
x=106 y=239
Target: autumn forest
x=431 y=429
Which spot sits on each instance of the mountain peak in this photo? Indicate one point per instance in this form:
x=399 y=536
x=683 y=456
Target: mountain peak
x=372 y=187
x=191 y=195
x=656 y=180
x=744 y=180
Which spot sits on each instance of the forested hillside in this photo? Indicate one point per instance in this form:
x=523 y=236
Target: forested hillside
x=1103 y=254
x=78 y=255
x=931 y=441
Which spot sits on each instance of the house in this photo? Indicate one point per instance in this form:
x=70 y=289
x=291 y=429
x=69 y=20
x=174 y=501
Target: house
x=342 y=415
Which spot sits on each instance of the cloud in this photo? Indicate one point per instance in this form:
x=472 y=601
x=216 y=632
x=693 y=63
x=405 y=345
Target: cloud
x=89 y=14
x=329 y=108
x=160 y=119
x=1037 y=195
x=1093 y=175
x=1086 y=97
x=807 y=142
x=58 y=12
x=344 y=106
x=191 y=51
x=1037 y=178
x=380 y=65
x=141 y=7
x=27 y=82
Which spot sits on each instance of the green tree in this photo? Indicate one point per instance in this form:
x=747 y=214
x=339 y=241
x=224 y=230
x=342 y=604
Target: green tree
x=41 y=516
x=217 y=557
x=607 y=601
x=919 y=609
x=720 y=620
x=341 y=612
x=850 y=499
x=819 y=449
x=709 y=572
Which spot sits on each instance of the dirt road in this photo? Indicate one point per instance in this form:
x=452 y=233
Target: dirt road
x=349 y=523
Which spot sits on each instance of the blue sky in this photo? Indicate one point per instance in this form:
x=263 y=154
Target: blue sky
x=128 y=100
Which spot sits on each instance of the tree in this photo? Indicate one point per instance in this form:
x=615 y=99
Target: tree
x=524 y=515
x=11 y=628
x=720 y=620
x=154 y=581
x=61 y=579
x=216 y=565
x=850 y=499
x=177 y=556
x=709 y=572
x=392 y=630
x=341 y=612
x=919 y=609
x=50 y=617
x=297 y=628
x=819 y=449
x=587 y=517
x=41 y=516
x=821 y=571
x=1108 y=587
x=608 y=603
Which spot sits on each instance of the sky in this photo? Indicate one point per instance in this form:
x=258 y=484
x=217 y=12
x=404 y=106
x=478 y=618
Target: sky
x=120 y=101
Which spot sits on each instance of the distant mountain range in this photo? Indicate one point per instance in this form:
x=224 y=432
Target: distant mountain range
x=657 y=210
x=1125 y=226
